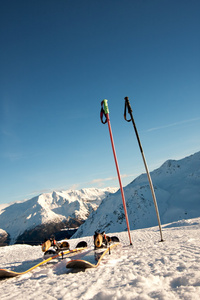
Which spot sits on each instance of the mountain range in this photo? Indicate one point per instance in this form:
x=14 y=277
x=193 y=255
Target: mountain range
x=177 y=189
x=33 y=220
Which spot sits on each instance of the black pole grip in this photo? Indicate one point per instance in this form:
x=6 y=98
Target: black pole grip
x=127 y=104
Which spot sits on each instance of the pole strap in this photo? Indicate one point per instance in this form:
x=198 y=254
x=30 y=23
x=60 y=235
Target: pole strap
x=102 y=113
x=126 y=107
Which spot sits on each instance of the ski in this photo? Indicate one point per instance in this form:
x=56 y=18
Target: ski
x=93 y=257
x=6 y=273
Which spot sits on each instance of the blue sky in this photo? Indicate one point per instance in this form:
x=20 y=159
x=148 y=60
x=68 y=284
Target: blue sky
x=60 y=59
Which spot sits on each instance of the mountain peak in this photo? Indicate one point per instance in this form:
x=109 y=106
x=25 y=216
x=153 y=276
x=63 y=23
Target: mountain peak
x=177 y=189
x=47 y=208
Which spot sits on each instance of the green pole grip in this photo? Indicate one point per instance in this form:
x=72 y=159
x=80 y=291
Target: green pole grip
x=105 y=104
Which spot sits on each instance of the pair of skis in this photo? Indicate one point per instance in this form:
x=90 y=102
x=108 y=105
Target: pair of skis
x=6 y=273
x=85 y=259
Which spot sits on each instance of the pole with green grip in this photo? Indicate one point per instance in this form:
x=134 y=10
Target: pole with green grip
x=128 y=106
x=105 y=112
x=105 y=103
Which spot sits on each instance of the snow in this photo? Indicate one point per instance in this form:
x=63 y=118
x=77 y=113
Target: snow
x=149 y=269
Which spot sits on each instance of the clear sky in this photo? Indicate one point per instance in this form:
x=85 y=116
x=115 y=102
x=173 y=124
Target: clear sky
x=60 y=59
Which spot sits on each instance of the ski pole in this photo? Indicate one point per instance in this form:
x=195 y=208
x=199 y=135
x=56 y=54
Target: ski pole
x=128 y=106
x=105 y=112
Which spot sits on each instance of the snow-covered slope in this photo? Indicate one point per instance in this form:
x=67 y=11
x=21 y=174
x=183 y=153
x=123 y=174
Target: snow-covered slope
x=50 y=207
x=177 y=189
x=147 y=270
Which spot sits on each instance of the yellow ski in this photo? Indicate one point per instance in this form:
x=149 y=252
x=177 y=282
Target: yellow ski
x=6 y=273
x=90 y=258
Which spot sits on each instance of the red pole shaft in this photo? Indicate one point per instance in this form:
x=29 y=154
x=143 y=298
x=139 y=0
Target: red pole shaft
x=119 y=177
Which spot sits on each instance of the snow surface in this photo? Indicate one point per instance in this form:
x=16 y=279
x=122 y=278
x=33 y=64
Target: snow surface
x=149 y=269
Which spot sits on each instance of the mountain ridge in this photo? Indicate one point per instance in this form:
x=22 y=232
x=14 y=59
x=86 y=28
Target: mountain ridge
x=59 y=209
x=177 y=189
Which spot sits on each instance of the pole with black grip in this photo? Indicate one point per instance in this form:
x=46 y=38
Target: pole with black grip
x=128 y=106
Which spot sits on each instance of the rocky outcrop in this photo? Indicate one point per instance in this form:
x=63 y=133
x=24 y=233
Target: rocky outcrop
x=4 y=238
x=61 y=230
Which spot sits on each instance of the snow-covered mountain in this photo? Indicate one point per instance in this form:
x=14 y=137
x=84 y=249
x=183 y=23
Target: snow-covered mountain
x=177 y=189
x=49 y=212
